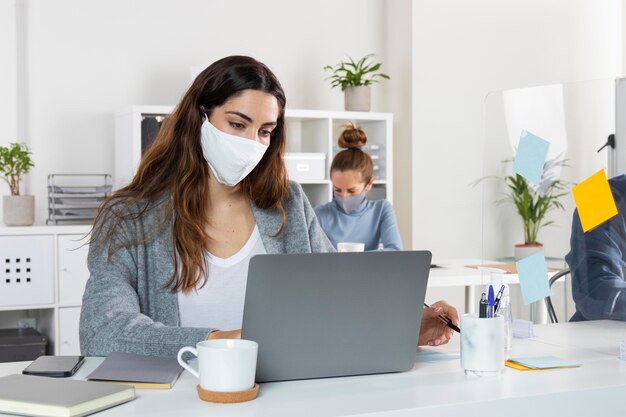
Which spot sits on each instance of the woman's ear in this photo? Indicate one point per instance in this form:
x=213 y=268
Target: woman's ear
x=369 y=185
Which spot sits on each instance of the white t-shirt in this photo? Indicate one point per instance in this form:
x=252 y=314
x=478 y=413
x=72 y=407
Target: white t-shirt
x=219 y=304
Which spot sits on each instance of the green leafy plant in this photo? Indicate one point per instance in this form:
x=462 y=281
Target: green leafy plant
x=534 y=202
x=15 y=161
x=354 y=74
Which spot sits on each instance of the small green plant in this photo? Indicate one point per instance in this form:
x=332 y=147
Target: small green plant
x=354 y=74
x=15 y=161
x=533 y=203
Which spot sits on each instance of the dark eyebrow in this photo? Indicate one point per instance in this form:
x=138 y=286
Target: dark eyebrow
x=248 y=118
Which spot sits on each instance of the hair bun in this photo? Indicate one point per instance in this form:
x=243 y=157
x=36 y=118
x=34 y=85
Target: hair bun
x=352 y=137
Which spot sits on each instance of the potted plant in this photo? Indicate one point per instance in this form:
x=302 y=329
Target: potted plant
x=15 y=161
x=533 y=202
x=355 y=79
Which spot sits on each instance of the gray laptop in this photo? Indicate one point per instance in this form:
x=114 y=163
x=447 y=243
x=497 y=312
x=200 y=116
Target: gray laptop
x=335 y=314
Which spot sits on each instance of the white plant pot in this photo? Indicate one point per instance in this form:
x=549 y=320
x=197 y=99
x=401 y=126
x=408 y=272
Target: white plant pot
x=523 y=251
x=18 y=210
x=357 y=98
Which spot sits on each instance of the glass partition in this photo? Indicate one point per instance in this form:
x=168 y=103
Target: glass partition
x=576 y=119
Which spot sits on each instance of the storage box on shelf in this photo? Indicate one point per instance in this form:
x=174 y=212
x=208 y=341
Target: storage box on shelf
x=306 y=166
x=21 y=345
x=45 y=272
x=310 y=134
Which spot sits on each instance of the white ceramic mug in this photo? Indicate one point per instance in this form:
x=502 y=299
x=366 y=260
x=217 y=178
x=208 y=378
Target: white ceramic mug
x=482 y=344
x=350 y=247
x=224 y=365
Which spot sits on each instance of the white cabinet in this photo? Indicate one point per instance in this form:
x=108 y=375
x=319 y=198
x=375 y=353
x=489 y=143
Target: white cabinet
x=44 y=275
x=73 y=272
x=27 y=270
x=308 y=131
x=69 y=318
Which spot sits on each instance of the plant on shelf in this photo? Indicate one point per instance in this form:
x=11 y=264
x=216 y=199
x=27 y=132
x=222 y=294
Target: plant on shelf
x=15 y=162
x=533 y=202
x=355 y=78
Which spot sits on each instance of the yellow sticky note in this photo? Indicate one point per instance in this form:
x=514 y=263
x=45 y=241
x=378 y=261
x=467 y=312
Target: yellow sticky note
x=594 y=201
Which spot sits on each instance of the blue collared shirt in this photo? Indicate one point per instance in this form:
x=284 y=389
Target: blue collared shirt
x=372 y=223
x=597 y=260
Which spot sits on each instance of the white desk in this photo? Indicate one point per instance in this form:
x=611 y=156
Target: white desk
x=453 y=273
x=437 y=387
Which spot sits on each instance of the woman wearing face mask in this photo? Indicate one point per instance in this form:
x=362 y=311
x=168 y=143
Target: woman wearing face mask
x=351 y=217
x=169 y=252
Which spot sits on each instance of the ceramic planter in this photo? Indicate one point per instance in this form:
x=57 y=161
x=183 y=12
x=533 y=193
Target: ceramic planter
x=18 y=210
x=357 y=98
x=523 y=251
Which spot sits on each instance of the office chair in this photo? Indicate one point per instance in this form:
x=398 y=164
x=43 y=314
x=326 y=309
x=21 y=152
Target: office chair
x=548 y=300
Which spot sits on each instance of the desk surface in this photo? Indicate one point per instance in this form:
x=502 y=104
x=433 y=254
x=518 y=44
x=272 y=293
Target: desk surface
x=436 y=386
x=452 y=272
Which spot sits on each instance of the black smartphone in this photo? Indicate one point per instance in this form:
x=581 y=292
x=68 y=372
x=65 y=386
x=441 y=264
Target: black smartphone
x=54 y=366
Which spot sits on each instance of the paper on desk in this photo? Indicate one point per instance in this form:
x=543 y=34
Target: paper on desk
x=533 y=277
x=541 y=362
x=431 y=356
x=505 y=268
x=530 y=157
x=594 y=200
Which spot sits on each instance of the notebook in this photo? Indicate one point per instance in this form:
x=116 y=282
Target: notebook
x=137 y=370
x=28 y=395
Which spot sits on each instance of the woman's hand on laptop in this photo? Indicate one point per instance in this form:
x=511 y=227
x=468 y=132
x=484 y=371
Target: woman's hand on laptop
x=225 y=334
x=434 y=332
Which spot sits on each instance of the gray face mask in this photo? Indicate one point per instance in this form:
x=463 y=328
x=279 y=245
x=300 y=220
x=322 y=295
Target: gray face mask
x=349 y=204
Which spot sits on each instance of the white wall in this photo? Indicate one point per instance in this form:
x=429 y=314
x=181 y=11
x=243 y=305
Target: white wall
x=8 y=76
x=397 y=58
x=87 y=58
x=463 y=50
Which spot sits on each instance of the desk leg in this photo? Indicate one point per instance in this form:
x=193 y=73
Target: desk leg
x=470 y=294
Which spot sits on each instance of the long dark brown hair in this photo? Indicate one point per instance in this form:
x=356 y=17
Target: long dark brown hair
x=174 y=175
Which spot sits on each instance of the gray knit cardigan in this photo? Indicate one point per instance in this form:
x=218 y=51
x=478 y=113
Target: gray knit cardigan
x=126 y=307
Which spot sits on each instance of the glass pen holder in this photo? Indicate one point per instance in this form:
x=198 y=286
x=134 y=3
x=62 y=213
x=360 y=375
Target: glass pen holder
x=506 y=312
x=482 y=345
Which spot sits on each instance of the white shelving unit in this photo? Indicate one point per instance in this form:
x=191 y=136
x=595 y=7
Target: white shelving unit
x=44 y=272
x=307 y=131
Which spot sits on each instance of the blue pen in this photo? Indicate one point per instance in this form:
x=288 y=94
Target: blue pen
x=491 y=300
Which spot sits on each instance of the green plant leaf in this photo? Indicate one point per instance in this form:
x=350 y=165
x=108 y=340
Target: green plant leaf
x=533 y=204
x=15 y=161
x=351 y=73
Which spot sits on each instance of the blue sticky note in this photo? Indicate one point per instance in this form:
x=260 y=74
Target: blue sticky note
x=545 y=362
x=533 y=277
x=530 y=157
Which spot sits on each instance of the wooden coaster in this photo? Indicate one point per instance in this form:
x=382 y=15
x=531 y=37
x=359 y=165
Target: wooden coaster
x=228 y=397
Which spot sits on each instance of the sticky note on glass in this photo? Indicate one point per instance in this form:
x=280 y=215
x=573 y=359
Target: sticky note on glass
x=594 y=200
x=533 y=277
x=530 y=157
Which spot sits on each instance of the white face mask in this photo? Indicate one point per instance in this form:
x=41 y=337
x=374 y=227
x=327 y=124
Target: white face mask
x=230 y=157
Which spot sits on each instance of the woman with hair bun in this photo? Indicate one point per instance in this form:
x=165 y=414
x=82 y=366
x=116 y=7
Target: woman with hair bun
x=351 y=217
